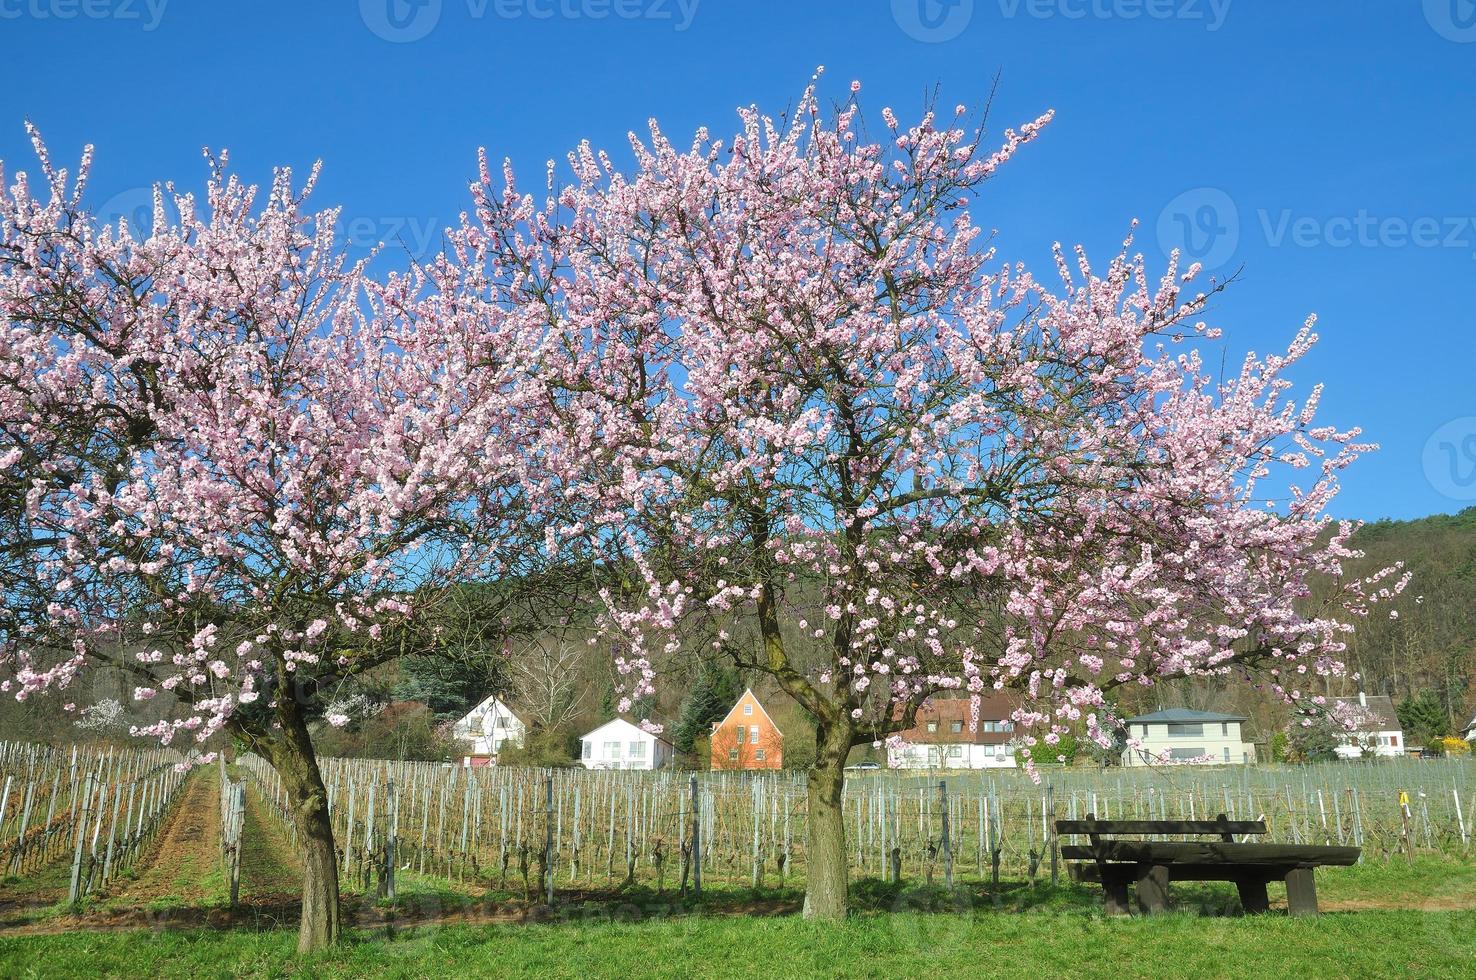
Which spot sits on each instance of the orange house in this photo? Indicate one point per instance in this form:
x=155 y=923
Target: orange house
x=747 y=738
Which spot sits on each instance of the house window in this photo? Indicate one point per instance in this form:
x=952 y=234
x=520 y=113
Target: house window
x=759 y=755
x=956 y=727
x=748 y=709
x=612 y=750
x=932 y=726
x=955 y=751
x=1185 y=730
x=753 y=735
x=1225 y=729
x=1394 y=741
x=637 y=750
x=732 y=755
x=1227 y=753
x=588 y=749
x=1186 y=753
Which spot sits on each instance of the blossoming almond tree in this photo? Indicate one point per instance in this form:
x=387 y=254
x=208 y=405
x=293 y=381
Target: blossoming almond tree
x=239 y=470
x=879 y=465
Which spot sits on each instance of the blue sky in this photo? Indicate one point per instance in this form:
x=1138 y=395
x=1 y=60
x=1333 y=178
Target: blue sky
x=1327 y=146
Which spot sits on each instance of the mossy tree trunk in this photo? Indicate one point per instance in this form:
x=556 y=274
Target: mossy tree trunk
x=825 y=875
x=290 y=750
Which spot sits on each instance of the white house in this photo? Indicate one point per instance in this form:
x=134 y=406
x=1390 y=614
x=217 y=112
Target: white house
x=943 y=737
x=1183 y=736
x=1377 y=733
x=486 y=729
x=1470 y=733
x=617 y=744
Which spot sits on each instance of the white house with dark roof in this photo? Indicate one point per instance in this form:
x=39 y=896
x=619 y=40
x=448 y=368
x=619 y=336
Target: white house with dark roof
x=1377 y=732
x=618 y=744
x=1180 y=735
x=485 y=729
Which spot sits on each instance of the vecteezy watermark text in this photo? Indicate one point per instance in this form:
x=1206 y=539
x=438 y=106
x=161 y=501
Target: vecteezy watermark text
x=1205 y=226
x=146 y=13
x=936 y=21
x=1211 y=13
x=403 y=21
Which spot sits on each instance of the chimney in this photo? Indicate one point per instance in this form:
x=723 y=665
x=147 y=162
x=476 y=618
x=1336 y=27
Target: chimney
x=1363 y=699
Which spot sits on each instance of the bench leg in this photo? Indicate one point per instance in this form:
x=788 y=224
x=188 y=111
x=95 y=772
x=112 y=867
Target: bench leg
x=1153 y=889
x=1116 y=889
x=1252 y=895
x=1301 y=892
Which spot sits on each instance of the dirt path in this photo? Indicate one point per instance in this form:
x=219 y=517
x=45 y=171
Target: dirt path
x=183 y=867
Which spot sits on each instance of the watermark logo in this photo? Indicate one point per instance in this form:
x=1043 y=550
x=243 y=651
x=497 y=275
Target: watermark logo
x=933 y=21
x=135 y=206
x=1454 y=20
x=148 y=14
x=1450 y=459
x=400 y=21
x=1203 y=224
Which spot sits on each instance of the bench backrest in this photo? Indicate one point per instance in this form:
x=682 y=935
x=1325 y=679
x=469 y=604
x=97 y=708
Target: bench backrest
x=1225 y=828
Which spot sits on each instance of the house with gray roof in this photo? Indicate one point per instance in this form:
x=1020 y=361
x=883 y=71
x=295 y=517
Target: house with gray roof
x=1377 y=731
x=1182 y=736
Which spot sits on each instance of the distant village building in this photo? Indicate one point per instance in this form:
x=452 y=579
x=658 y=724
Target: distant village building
x=942 y=737
x=1184 y=736
x=747 y=738
x=485 y=729
x=1377 y=732
x=618 y=744
x=1470 y=733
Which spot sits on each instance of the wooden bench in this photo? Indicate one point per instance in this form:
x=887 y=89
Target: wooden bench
x=1152 y=864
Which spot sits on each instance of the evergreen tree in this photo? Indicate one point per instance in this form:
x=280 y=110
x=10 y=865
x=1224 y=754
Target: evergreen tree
x=1423 y=718
x=711 y=698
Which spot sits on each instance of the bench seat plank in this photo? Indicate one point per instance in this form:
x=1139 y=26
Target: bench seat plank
x=1144 y=827
x=1091 y=873
x=1210 y=853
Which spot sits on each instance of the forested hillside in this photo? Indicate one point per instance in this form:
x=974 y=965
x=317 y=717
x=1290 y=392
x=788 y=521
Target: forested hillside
x=1428 y=650
x=1431 y=645
x=1420 y=647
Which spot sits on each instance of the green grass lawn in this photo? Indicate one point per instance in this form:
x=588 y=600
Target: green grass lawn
x=1395 y=919
x=1046 y=943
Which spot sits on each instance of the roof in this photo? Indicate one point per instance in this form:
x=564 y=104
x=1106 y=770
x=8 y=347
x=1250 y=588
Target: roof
x=946 y=710
x=1184 y=716
x=627 y=724
x=1377 y=715
x=748 y=693
x=485 y=705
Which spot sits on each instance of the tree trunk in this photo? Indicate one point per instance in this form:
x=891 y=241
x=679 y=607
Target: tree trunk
x=825 y=878
x=293 y=757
